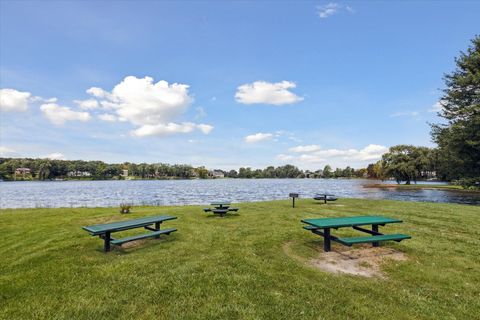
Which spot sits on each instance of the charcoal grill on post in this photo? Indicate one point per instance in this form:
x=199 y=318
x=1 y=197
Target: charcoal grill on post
x=293 y=196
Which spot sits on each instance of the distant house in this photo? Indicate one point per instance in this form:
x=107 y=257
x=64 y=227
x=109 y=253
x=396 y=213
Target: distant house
x=79 y=174
x=309 y=174
x=124 y=173
x=22 y=171
x=216 y=174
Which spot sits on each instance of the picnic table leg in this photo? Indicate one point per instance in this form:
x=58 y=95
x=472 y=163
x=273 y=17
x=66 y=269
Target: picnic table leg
x=325 y=199
x=326 y=240
x=157 y=227
x=375 y=229
x=106 y=245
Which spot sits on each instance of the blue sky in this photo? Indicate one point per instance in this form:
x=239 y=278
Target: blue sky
x=225 y=84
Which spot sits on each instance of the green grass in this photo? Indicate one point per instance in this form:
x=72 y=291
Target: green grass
x=236 y=267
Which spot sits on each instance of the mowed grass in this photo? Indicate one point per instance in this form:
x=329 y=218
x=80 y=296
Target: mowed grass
x=236 y=267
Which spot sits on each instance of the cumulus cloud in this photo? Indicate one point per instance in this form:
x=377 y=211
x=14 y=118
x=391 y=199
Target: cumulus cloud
x=169 y=129
x=58 y=115
x=315 y=154
x=412 y=114
x=107 y=117
x=150 y=106
x=332 y=8
x=6 y=151
x=437 y=107
x=141 y=101
x=284 y=157
x=98 y=92
x=55 y=156
x=87 y=104
x=308 y=148
x=12 y=100
x=257 y=137
x=267 y=93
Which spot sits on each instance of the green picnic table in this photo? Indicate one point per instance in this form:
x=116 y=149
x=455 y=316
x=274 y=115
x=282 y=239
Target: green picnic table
x=220 y=208
x=323 y=226
x=104 y=231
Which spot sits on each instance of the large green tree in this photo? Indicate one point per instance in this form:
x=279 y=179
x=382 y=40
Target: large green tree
x=459 y=138
x=406 y=163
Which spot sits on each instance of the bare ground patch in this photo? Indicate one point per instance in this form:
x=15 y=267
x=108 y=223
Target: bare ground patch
x=362 y=261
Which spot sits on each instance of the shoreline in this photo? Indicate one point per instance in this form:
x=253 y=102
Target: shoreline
x=447 y=187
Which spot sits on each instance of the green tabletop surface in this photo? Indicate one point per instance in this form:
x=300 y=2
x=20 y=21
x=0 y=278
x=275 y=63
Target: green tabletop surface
x=127 y=224
x=349 y=221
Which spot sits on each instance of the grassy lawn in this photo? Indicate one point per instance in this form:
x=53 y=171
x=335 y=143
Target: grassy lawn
x=236 y=267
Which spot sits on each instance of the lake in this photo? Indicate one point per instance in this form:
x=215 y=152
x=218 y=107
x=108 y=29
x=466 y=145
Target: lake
x=31 y=194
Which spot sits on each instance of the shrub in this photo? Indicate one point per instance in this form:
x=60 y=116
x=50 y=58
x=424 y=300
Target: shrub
x=125 y=207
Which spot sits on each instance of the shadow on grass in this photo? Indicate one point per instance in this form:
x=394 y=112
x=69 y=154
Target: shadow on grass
x=226 y=216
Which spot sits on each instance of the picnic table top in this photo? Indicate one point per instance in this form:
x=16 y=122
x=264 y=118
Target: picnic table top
x=349 y=221
x=220 y=203
x=127 y=224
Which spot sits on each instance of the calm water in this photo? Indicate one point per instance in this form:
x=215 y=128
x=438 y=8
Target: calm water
x=160 y=192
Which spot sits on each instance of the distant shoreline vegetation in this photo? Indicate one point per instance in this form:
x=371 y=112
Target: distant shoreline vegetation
x=28 y=169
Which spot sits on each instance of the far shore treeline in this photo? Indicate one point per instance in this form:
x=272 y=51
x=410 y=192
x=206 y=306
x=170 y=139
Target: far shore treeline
x=47 y=169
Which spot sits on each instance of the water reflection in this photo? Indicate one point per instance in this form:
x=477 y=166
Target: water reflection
x=157 y=192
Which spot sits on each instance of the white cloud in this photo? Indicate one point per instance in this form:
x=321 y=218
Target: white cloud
x=58 y=115
x=107 y=117
x=6 y=151
x=284 y=157
x=205 y=128
x=332 y=8
x=14 y=101
x=152 y=107
x=257 y=137
x=55 y=156
x=170 y=128
x=314 y=154
x=308 y=148
x=87 y=104
x=413 y=114
x=40 y=99
x=98 y=92
x=201 y=113
x=327 y=10
x=267 y=93
x=437 y=107
x=141 y=101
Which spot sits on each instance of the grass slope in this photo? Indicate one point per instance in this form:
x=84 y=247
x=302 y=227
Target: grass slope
x=235 y=267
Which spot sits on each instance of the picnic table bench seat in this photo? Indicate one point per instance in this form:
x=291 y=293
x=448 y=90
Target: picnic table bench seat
x=384 y=237
x=143 y=236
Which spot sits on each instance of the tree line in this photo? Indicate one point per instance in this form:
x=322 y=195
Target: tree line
x=46 y=169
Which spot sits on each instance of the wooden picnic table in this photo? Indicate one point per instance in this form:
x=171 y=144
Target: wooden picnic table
x=104 y=231
x=323 y=226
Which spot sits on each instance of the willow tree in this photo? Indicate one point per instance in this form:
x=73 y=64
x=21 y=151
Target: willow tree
x=459 y=138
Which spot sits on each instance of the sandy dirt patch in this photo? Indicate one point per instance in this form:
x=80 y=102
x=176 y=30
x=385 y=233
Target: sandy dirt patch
x=364 y=262
x=360 y=261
